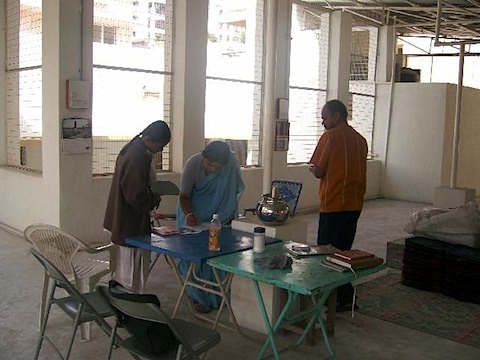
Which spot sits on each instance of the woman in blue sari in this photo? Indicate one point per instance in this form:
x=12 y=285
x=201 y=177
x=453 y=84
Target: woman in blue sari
x=211 y=183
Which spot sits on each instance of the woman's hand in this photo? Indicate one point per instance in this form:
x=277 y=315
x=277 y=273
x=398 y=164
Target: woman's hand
x=192 y=219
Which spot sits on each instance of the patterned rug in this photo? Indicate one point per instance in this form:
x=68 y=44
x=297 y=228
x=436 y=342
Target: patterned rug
x=433 y=313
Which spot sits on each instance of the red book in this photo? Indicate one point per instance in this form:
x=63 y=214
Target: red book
x=356 y=264
x=354 y=254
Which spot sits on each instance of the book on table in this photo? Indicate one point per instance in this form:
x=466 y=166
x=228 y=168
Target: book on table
x=353 y=254
x=332 y=266
x=356 y=264
x=299 y=249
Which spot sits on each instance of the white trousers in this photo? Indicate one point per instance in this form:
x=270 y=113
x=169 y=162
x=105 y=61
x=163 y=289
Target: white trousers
x=132 y=268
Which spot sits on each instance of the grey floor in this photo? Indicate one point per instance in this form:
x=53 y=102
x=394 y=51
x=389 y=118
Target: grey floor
x=360 y=337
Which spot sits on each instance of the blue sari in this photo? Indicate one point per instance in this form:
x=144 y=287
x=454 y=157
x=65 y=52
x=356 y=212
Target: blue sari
x=218 y=193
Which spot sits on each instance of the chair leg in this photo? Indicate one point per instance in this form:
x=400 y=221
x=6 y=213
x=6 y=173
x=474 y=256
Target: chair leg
x=83 y=286
x=43 y=301
x=74 y=331
x=179 y=352
x=46 y=313
x=112 y=339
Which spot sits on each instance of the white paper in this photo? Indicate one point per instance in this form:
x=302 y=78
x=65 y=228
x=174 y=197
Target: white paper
x=200 y=227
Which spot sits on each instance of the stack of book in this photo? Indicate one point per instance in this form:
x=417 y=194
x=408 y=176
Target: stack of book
x=351 y=259
x=462 y=273
x=424 y=263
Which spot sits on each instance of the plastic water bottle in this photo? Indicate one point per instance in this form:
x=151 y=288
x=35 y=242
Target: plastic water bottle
x=259 y=239
x=214 y=233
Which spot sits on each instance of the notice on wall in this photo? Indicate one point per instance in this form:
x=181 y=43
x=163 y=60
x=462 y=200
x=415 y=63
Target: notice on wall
x=76 y=136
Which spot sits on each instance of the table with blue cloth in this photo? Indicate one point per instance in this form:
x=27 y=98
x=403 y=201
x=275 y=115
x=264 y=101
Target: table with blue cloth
x=305 y=276
x=194 y=248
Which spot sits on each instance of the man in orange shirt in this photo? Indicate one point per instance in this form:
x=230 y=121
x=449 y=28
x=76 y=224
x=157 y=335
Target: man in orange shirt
x=340 y=161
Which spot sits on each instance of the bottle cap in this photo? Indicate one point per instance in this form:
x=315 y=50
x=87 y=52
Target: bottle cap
x=259 y=229
x=215 y=216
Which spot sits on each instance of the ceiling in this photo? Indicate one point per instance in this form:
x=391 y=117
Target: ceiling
x=459 y=19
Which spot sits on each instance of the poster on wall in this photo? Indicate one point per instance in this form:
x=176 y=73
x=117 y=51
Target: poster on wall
x=76 y=136
x=282 y=135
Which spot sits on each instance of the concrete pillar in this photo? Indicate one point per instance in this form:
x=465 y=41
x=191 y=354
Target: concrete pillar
x=339 y=56
x=385 y=49
x=189 y=67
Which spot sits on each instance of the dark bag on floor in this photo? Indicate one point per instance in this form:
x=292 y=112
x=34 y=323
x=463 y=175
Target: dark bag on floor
x=152 y=337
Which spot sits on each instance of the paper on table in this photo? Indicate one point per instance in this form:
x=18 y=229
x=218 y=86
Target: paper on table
x=200 y=227
x=170 y=230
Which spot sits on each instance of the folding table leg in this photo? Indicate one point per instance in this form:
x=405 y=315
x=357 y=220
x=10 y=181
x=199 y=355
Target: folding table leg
x=224 y=290
x=272 y=330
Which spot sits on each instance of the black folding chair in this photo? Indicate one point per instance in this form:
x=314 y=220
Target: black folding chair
x=190 y=340
x=81 y=308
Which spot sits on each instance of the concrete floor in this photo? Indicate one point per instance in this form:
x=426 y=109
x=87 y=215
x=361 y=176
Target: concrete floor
x=357 y=338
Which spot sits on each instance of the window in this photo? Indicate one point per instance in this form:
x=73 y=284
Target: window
x=159 y=24
x=159 y=8
x=24 y=83
x=308 y=81
x=362 y=80
x=104 y=34
x=131 y=77
x=440 y=63
x=234 y=75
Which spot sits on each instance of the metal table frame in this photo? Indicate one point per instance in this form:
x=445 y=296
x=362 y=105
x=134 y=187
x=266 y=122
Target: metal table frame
x=194 y=248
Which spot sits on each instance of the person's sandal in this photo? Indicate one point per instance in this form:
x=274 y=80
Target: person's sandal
x=200 y=308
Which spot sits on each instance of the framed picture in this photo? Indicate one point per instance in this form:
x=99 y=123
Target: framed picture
x=282 y=135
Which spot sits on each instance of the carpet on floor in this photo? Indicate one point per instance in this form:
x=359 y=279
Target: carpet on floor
x=387 y=299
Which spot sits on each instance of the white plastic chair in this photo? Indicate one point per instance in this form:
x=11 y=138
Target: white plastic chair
x=81 y=264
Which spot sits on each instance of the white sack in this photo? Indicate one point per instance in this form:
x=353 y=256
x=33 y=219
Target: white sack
x=457 y=226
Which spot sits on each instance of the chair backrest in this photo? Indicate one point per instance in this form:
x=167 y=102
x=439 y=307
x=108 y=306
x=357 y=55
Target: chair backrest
x=58 y=246
x=290 y=192
x=146 y=310
x=60 y=280
x=165 y=188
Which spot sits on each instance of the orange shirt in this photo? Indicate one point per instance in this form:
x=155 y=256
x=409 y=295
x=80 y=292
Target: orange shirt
x=342 y=152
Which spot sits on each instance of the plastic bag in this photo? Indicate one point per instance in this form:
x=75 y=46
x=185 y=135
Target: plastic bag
x=457 y=226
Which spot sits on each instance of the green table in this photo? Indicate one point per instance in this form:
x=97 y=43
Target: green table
x=306 y=277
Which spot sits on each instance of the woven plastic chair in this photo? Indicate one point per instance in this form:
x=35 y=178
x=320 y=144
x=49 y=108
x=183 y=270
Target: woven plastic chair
x=81 y=308
x=193 y=340
x=290 y=192
x=80 y=263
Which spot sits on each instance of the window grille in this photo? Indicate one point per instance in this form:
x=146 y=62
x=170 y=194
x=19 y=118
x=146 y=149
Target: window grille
x=24 y=83
x=131 y=76
x=362 y=80
x=234 y=75
x=308 y=80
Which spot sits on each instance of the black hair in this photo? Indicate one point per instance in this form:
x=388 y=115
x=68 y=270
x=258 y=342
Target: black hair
x=217 y=151
x=337 y=106
x=158 y=131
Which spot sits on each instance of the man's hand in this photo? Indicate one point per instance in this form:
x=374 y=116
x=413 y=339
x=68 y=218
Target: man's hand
x=155 y=200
